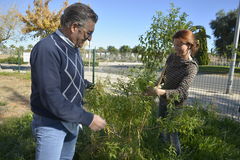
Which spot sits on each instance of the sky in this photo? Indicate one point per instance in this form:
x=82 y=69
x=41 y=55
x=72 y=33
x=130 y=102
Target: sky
x=121 y=22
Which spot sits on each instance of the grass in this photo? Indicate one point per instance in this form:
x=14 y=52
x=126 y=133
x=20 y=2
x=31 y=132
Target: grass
x=219 y=140
x=16 y=141
x=2 y=103
x=217 y=69
x=26 y=76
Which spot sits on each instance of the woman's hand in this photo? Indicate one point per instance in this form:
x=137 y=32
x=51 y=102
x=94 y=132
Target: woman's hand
x=155 y=91
x=158 y=91
x=150 y=92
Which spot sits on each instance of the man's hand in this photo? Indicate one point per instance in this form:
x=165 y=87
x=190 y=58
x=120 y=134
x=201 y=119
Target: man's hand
x=98 y=123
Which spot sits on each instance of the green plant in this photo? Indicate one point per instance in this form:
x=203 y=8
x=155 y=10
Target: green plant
x=127 y=114
x=2 y=103
x=12 y=60
x=16 y=141
x=133 y=128
x=86 y=63
x=202 y=53
x=156 y=43
x=26 y=76
x=216 y=69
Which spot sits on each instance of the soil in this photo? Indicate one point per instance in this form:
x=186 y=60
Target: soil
x=14 y=96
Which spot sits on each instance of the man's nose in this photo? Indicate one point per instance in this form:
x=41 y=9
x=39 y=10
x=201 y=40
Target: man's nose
x=89 y=38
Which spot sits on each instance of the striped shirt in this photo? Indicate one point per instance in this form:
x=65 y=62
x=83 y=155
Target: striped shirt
x=178 y=77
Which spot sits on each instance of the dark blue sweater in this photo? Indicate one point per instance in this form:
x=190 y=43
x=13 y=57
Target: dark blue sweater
x=58 y=81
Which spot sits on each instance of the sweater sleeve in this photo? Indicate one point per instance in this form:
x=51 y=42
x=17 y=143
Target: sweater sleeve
x=182 y=89
x=45 y=64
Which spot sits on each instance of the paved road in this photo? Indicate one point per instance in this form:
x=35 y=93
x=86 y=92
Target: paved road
x=216 y=83
x=208 y=82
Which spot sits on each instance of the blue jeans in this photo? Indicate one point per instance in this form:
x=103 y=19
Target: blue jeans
x=166 y=137
x=53 y=140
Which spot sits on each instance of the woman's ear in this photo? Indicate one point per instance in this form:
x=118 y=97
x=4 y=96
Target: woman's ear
x=189 y=46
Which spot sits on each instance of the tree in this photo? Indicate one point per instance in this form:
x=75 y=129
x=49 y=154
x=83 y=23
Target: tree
x=40 y=19
x=202 y=53
x=157 y=41
x=8 y=24
x=223 y=29
x=29 y=47
x=124 y=50
x=136 y=51
x=112 y=50
x=101 y=50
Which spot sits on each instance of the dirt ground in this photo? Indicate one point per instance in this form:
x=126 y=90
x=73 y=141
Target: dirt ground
x=14 y=96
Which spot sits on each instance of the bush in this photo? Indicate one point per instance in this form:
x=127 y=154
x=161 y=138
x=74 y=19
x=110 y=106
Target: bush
x=12 y=60
x=86 y=63
x=216 y=69
x=16 y=141
x=133 y=129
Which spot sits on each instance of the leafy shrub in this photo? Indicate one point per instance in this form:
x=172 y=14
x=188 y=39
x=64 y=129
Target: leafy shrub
x=86 y=63
x=216 y=69
x=2 y=103
x=133 y=128
x=16 y=141
x=12 y=60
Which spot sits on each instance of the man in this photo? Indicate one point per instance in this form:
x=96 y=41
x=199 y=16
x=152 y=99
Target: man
x=58 y=85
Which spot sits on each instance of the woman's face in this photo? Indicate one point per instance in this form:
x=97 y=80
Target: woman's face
x=182 y=49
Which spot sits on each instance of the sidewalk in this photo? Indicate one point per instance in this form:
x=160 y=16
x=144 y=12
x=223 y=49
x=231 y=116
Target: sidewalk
x=99 y=76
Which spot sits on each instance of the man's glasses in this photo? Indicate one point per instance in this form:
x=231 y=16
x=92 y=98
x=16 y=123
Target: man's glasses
x=89 y=34
x=180 y=45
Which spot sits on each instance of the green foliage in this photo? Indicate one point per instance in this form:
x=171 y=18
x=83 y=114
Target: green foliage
x=124 y=50
x=8 y=24
x=127 y=113
x=133 y=129
x=223 y=29
x=101 y=50
x=86 y=63
x=216 y=69
x=216 y=139
x=16 y=141
x=202 y=54
x=112 y=50
x=12 y=60
x=157 y=41
x=26 y=76
x=2 y=103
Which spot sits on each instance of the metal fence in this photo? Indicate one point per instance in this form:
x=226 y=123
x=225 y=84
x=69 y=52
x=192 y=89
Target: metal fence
x=207 y=89
x=210 y=90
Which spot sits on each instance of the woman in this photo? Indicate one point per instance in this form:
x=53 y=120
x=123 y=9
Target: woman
x=178 y=76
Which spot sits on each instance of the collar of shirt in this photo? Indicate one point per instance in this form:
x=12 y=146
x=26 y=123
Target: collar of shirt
x=190 y=57
x=61 y=35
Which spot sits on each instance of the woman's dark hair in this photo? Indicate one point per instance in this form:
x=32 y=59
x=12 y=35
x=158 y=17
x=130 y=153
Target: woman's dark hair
x=79 y=13
x=187 y=36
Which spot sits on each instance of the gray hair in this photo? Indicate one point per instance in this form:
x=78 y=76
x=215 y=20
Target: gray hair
x=79 y=13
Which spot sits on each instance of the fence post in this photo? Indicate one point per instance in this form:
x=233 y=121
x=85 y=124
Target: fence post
x=18 y=61
x=93 y=65
x=234 y=55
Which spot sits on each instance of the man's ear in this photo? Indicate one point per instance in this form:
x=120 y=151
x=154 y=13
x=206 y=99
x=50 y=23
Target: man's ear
x=74 y=27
